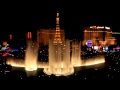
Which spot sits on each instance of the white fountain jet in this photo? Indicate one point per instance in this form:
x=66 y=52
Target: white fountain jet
x=59 y=59
x=31 y=56
x=76 y=54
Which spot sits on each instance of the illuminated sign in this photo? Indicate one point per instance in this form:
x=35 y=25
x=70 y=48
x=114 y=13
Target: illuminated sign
x=92 y=26
x=95 y=47
x=100 y=27
x=89 y=43
x=107 y=27
x=105 y=48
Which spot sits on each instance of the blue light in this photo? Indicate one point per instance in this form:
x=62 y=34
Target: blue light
x=16 y=50
x=89 y=43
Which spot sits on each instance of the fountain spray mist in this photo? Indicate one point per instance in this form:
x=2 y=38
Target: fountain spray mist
x=31 y=56
x=76 y=54
x=59 y=59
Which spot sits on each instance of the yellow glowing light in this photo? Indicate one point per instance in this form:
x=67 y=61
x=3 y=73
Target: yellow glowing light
x=107 y=27
x=94 y=61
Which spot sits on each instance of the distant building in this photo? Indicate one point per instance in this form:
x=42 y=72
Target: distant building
x=117 y=36
x=99 y=35
x=57 y=35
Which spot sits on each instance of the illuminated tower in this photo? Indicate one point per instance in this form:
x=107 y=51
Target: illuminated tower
x=57 y=38
x=29 y=35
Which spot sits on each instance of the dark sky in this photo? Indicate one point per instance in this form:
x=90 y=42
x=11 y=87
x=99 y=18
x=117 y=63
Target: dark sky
x=20 y=17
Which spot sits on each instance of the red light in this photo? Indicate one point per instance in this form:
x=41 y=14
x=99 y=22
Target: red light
x=29 y=35
x=4 y=54
x=10 y=36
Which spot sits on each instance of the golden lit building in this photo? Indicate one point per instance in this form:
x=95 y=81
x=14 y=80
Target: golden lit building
x=57 y=34
x=99 y=35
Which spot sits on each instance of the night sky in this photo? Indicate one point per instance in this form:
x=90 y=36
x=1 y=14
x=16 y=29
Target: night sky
x=19 y=17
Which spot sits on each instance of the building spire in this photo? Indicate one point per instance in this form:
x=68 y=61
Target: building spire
x=57 y=18
x=57 y=38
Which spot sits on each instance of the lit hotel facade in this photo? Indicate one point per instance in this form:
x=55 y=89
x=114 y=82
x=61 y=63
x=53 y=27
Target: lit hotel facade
x=99 y=35
x=44 y=35
x=57 y=34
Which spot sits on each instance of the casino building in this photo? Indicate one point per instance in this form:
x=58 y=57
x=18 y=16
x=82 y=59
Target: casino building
x=99 y=35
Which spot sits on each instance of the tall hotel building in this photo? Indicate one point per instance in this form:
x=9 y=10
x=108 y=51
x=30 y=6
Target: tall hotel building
x=99 y=35
x=44 y=35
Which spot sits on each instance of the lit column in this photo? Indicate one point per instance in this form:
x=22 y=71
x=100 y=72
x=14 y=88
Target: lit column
x=29 y=35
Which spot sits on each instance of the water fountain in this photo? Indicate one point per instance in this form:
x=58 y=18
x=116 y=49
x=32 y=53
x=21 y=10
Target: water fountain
x=76 y=54
x=15 y=62
x=31 y=56
x=30 y=63
x=59 y=59
x=93 y=61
